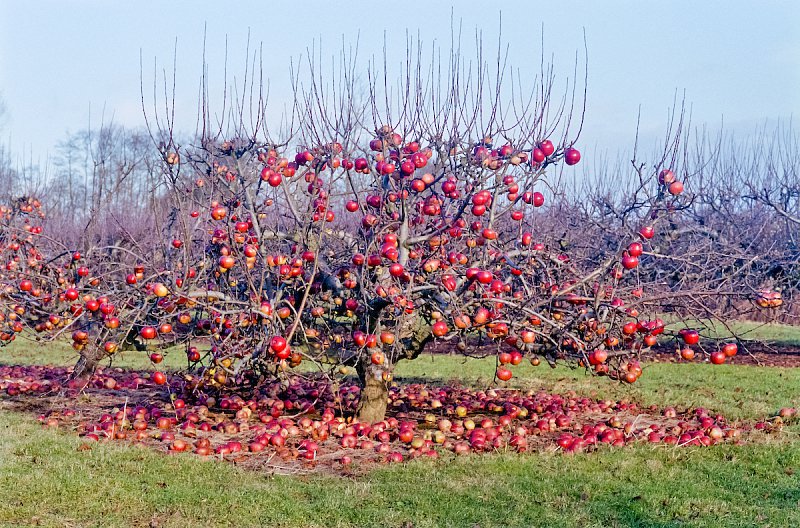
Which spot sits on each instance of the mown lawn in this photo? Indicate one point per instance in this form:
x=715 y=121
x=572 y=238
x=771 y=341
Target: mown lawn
x=782 y=334
x=47 y=479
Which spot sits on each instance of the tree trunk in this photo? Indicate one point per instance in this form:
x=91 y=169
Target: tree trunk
x=374 y=391
x=416 y=334
x=86 y=365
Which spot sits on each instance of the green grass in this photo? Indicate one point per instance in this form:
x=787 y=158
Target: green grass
x=46 y=480
x=776 y=333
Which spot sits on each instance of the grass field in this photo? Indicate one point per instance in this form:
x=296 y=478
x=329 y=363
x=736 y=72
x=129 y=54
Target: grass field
x=47 y=480
x=748 y=330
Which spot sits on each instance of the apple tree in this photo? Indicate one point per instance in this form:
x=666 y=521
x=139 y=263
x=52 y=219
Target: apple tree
x=379 y=221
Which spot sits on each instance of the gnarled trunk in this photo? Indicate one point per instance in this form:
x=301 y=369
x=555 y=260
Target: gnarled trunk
x=414 y=335
x=86 y=365
x=374 y=391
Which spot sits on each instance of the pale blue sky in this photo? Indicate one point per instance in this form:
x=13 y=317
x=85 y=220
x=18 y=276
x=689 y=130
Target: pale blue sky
x=737 y=59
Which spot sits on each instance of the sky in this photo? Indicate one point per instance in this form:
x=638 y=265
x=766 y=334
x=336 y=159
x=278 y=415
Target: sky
x=65 y=65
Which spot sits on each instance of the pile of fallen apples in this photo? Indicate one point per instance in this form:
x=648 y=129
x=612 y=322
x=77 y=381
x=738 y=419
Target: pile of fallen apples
x=310 y=420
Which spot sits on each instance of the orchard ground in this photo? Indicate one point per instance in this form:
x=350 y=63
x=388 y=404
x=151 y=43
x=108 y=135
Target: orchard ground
x=52 y=477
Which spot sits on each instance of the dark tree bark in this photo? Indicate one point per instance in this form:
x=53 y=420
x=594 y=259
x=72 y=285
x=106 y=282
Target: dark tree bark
x=86 y=365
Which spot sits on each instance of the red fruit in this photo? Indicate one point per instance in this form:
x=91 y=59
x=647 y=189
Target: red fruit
x=482 y=198
x=730 y=349
x=489 y=234
x=192 y=354
x=179 y=446
x=394 y=457
x=439 y=328
x=396 y=270
x=408 y=167
x=277 y=344
x=218 y=213
x=479 y=210
x=406 y=436
x=484 y=277
x=148 y=332
x=377 y=358
x=504 y=374
x=718 y=357
x=571 y=156
x=547 y=147
x=690 y=337
x=598 y=356
x=629 y=262
x=538 y=199
x=666 y=177
x=359 y=338
x=647 y=232
x=419 y=160
x=255 y=447
x=675 y=188
x=716 y=433
x=159 y=378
